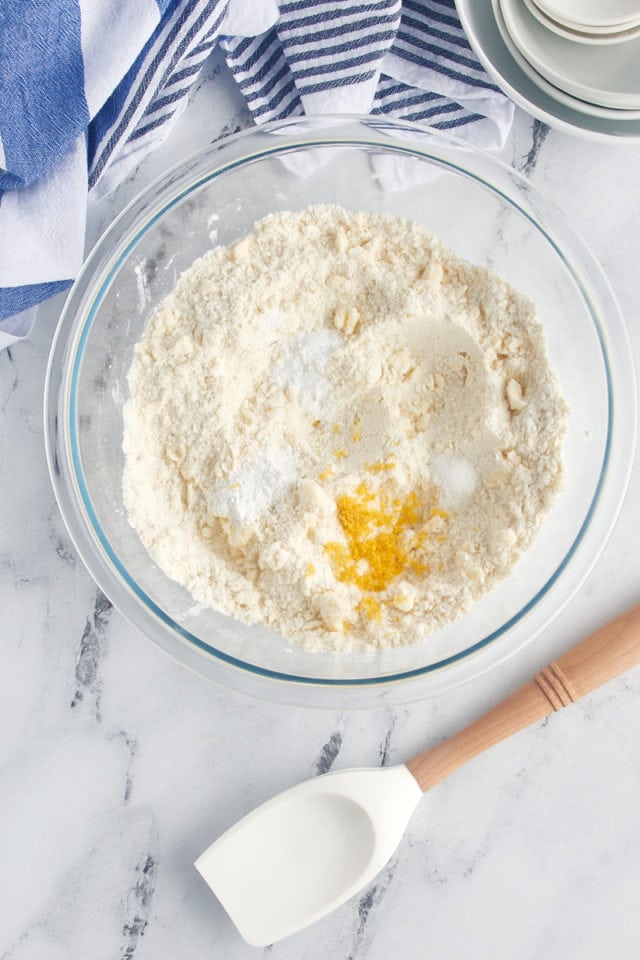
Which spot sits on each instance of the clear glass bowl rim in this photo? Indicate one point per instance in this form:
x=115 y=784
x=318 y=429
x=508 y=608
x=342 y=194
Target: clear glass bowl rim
x=73 y=330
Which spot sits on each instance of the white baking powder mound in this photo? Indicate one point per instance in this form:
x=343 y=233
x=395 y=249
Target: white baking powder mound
x=338 y=428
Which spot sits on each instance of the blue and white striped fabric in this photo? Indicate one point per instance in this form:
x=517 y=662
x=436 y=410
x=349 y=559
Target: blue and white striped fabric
x=409 y=59
x=88 y=88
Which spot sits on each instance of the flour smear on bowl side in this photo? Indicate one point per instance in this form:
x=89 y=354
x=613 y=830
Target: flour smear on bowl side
x=338 y=428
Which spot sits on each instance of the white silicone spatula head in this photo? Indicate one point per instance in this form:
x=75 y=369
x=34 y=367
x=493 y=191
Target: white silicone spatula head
x=302 y=854
x=299 y=856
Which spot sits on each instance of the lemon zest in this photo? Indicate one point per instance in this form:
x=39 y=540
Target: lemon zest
x=381 y=530
x=378 y=467
x=371 y=608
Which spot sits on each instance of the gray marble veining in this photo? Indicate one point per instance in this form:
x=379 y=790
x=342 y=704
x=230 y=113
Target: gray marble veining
x=117 y=766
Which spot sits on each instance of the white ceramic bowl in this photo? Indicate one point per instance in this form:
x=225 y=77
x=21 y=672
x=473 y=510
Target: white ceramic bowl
x=606 y=75
x=594 y=35
x=580 y=106
x=480 y=26
x=592 y=13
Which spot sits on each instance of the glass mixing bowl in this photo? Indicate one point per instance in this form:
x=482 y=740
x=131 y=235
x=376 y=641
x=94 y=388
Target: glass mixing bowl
x=489 y=215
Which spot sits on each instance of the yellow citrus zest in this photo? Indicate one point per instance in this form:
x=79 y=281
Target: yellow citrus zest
x=378 y=467
x=371 y=608
x=383 y=538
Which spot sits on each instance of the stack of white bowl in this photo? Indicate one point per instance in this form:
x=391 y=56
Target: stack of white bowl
x=584 y=54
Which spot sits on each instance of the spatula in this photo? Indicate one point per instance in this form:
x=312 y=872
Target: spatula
x=302 y=854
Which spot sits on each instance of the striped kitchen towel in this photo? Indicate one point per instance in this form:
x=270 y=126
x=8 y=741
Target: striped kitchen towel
x=87 y=89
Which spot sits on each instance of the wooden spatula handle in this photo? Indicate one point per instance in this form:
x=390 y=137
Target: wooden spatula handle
x=602 y=656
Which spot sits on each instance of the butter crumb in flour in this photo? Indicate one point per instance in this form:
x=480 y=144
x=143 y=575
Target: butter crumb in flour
x=338 y=428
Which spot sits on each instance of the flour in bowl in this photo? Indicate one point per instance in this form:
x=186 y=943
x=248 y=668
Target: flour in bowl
x=340 y=429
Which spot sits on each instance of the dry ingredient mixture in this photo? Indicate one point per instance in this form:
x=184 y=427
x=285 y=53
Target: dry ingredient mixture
x=338 y=428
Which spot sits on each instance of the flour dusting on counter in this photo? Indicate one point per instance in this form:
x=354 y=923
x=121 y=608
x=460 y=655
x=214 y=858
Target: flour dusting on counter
x=338 y=428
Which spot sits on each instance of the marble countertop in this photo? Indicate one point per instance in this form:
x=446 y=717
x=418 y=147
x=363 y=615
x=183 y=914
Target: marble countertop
x=117 y=766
